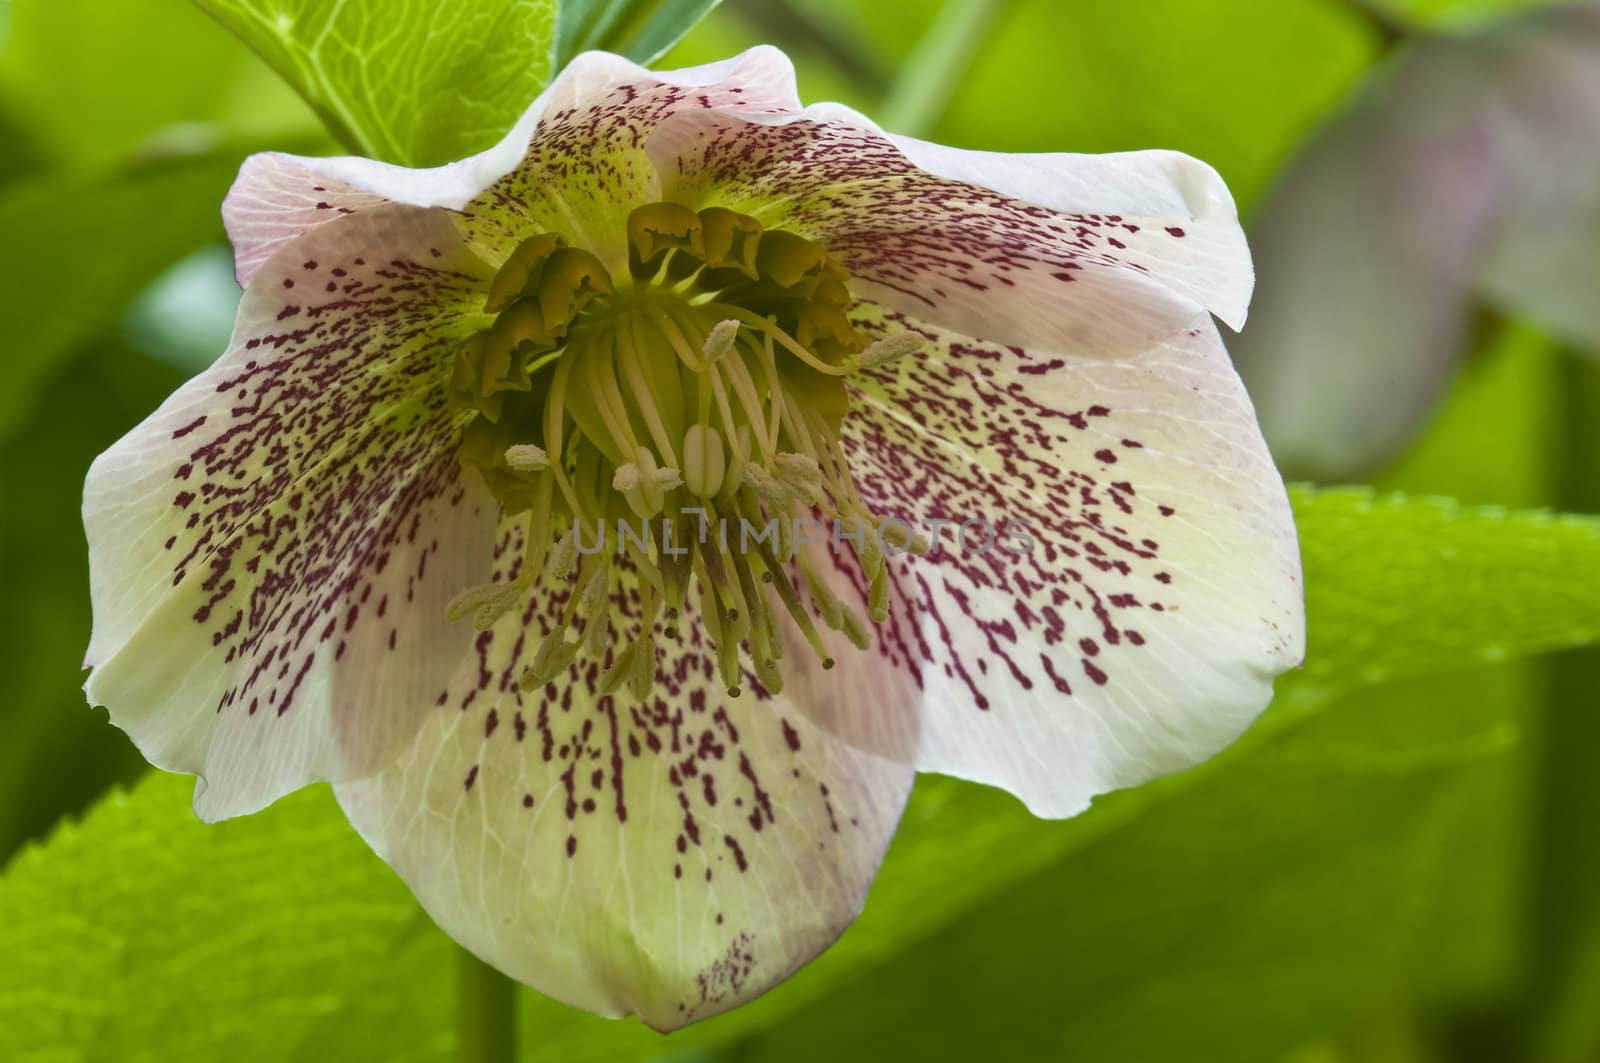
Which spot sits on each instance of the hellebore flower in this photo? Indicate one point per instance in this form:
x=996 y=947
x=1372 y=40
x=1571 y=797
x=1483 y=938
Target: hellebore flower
x=658 y=776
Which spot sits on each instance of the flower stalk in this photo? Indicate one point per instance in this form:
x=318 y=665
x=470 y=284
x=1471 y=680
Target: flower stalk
x=486 y=1012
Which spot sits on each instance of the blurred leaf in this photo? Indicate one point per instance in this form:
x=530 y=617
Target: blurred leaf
x=1228 y=80
x=97 y=81
x=1228 y=920
x=414 y=84
x=642 y=30
x=1473 y=164
x=56 y=755
x=85 y=248
x=1366 y=255
x=185 y=317
x=141 y=934
x=1400 y=587
x=1545 y=260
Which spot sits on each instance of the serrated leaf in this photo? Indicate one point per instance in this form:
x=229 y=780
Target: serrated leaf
x=418 y=84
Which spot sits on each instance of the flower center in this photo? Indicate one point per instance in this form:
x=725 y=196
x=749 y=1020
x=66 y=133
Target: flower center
x=681 y=422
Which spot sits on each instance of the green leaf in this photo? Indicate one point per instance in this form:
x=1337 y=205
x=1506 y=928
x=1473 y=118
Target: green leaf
x=56 y=756
x=1381 y=571
x=425 y=84
x=1120 y=76
x=642 y=30
x=95 y=83
x=1400 y=587
x=85 y=248
x=1231 y=918
x=142 y=934
x=414 y=84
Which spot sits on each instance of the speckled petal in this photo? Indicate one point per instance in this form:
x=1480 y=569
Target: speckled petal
x=670 y=857
x=1148 y=193
x=279 y=196
x=1069 y=269
x=271 y=552
x=1140 y=631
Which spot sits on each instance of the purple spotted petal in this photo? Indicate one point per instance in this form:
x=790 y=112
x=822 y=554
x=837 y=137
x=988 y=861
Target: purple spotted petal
x=972 y=256
x=271 y=552
x=1140 y=630
x=676 y=854
x=670 y=857
x=1150 y=194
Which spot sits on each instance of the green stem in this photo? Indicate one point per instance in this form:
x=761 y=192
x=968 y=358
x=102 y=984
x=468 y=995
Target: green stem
x=486 y=1012
x=1564 y=968
x=935 y=68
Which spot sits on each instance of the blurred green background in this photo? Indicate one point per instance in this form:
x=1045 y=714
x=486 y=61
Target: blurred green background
x=1404 y=873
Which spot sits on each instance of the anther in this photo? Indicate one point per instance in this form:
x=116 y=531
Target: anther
x=526 y=457
x=802 y=474
x=890 y=348
x=704 y=462
x=720 y=340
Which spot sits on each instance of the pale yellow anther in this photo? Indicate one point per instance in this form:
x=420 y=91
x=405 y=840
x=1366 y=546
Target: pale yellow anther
x=626 y=478
x=802 y=474
x=704 y=460
x=526 y=457
x=886 y=350
x=563 y=556
x=471 y=600
x=768 y=488
x=720 y=340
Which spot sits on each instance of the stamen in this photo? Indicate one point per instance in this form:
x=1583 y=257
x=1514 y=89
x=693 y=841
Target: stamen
x=720 y=340
x=703 y=461
x=526 y=457
x=889 y=349
x=709 y=382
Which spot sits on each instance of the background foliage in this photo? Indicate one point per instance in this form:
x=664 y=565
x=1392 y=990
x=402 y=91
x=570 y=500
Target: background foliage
x=1396 y=865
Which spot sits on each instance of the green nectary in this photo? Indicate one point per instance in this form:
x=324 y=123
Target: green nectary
x=703 y=389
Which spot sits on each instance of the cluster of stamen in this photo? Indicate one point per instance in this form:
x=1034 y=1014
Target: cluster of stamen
x=702 y=391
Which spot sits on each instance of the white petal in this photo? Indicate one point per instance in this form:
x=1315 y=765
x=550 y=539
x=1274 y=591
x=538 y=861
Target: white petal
x=278 y=196
x=669 y=858
x=1141 y=631
x=272 y=550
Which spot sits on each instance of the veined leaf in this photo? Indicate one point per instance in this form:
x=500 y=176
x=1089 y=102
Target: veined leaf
x=413 y=83
x=422 y=84
x=141 y=934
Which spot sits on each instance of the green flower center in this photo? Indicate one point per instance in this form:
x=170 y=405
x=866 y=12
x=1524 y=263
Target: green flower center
x=684 y=418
